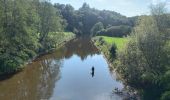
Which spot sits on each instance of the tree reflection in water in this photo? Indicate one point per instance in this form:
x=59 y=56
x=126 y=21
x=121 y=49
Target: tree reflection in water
x=81 y=47
x=38 y=79
x=36 y=82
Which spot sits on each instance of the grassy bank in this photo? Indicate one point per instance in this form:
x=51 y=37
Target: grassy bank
x=104 y=44
x=119 y=42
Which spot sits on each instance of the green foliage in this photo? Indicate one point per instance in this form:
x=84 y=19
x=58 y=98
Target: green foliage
x=145 y=59
x=86 y=20
x=26 y=26
x=144 y=54
x=166 y=96
x=97 y=28
x=109 y=45
x=49 y=19
x=116 y=31
x=119 y=42
x=55 y=38
x=113 y=50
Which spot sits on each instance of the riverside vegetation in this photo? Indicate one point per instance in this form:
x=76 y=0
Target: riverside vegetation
x=144 y=58
x=28 y=28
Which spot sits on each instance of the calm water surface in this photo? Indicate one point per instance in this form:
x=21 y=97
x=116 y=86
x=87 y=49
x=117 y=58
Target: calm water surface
x=65 y=74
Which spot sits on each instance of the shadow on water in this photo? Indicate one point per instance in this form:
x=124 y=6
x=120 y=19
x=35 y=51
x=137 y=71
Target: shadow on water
x=4 y=77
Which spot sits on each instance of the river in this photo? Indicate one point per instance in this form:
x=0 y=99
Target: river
x=76 y=71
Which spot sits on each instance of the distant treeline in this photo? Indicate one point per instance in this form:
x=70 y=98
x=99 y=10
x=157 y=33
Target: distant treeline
x=90 y=21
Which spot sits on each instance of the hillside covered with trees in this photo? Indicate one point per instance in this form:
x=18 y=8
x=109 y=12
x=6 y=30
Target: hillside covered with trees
x=90 y=21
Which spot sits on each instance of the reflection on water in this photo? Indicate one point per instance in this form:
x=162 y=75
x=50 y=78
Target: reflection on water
x=76 y=71
x=35 y=82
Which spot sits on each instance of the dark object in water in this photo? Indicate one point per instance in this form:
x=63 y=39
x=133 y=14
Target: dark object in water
x=92 y=73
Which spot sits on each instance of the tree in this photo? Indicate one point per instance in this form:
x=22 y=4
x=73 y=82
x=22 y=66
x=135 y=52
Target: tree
x=97 y=28
x=145 y=60
x=24 y=29
x=116 y=31
x=50 y=22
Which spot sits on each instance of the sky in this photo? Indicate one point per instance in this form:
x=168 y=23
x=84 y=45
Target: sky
x=125 y=7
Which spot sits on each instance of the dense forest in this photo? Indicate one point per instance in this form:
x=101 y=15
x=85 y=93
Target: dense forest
x=92 y=22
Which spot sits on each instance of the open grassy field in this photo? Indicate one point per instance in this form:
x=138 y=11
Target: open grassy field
x=120 y=42
x=104 y=44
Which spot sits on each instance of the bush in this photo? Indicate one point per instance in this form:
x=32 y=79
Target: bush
x=166 y=96
x=145 y=60
x=116 y=31
x=112 y=50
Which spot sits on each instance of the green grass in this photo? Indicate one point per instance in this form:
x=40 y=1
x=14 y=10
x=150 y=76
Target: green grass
x=65 y=33
x=104 y=43
x=68 y=33
x=119 y=42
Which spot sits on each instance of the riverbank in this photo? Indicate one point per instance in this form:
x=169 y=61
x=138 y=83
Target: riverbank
x=104 y=44
x=70 y=36
x=64 y=38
